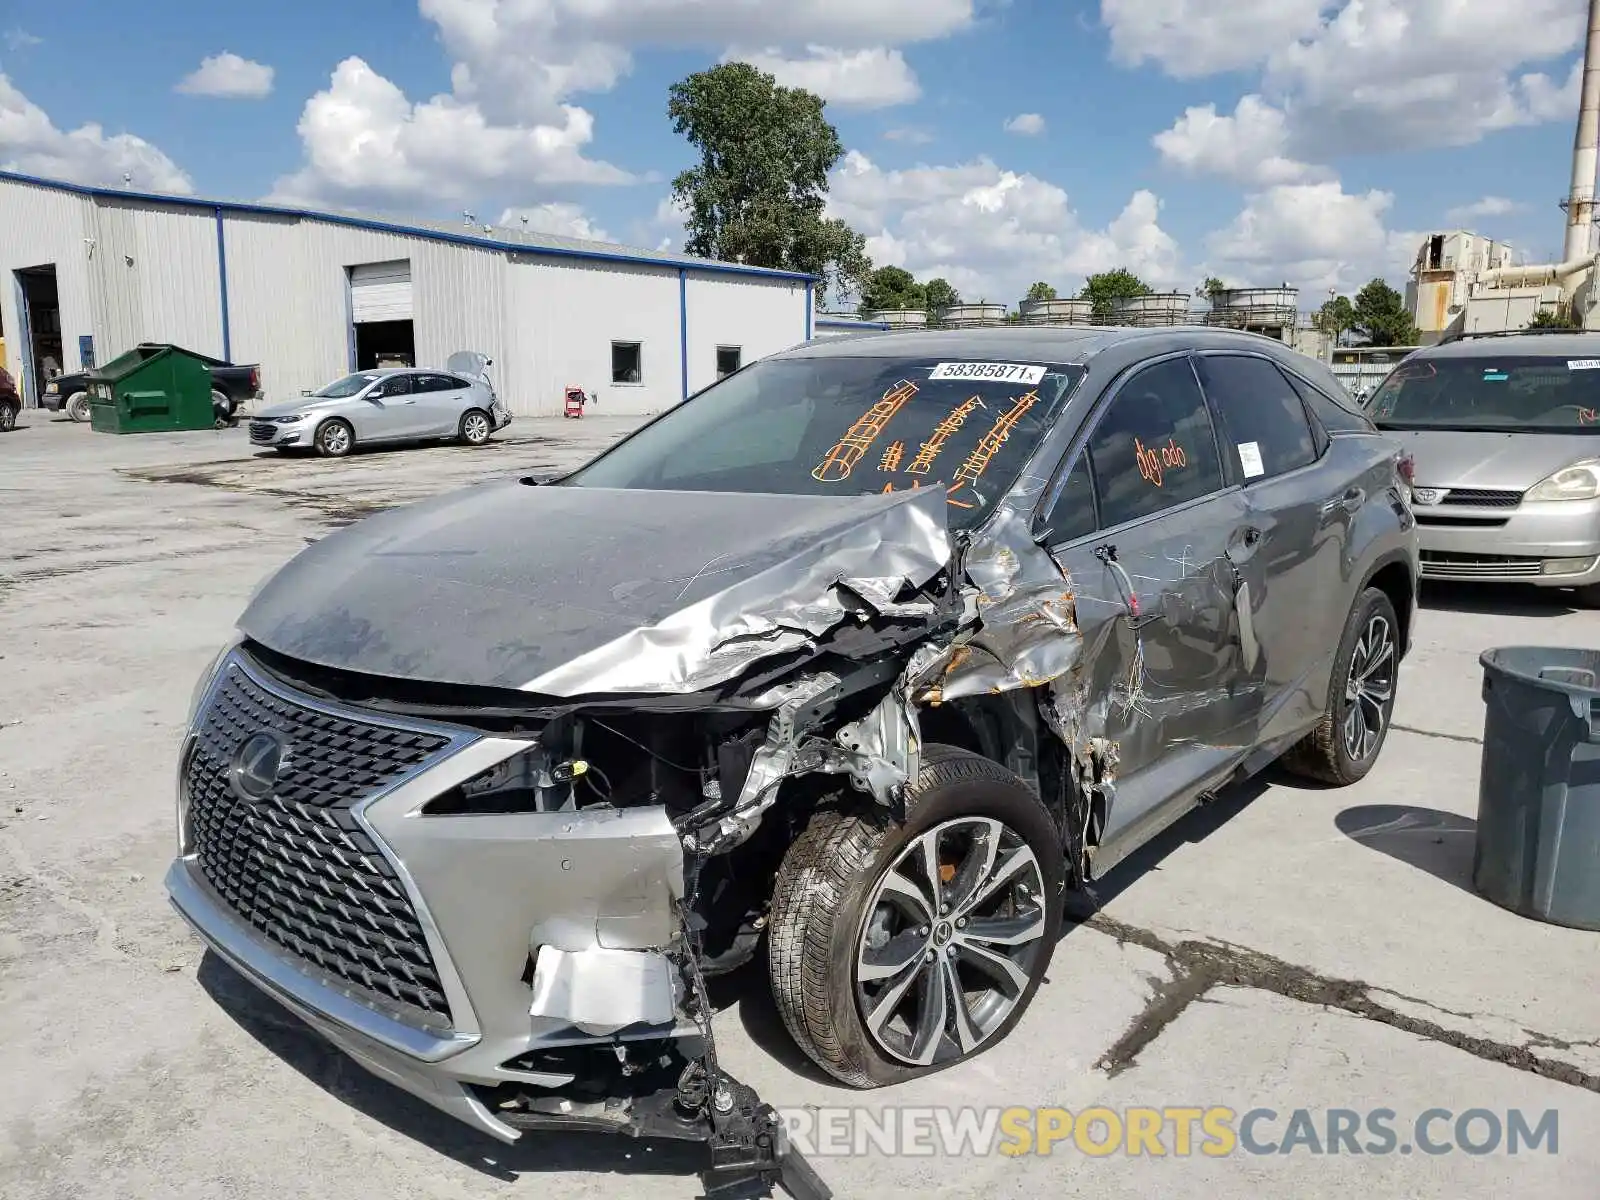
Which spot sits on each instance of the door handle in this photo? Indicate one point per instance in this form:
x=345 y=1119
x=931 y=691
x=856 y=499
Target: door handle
x=1350 y=501
x=1244 y=544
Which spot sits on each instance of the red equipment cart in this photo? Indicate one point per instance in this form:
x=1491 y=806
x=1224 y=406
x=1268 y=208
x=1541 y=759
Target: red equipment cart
x=574 y=402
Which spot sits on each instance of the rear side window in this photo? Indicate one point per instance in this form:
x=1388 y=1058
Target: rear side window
x=1154 y=448
x=1265 y=431
x=1335 y=409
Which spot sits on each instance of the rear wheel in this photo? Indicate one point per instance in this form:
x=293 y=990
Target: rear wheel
x=221 y=409
x=77 y=406
x=475 y=427
x=8 y=417
x=897 y=950
x=335 y=438
x=1347 y=742
x=1589 y=597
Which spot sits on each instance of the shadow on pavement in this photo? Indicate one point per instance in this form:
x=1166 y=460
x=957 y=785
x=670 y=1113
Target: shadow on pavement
x=286 y=1037
x=1497 y=600
x=1439 y=843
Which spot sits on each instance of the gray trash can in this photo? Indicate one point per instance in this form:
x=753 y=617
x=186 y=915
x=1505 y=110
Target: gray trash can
x=1538 y=847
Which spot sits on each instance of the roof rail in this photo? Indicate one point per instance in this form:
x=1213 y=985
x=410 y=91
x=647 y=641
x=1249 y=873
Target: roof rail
x=1498 y=333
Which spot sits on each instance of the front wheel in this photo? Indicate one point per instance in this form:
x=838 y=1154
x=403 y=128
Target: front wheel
x=335 y=438
x=1347 y=742
x=475 y=427
x=896 y=950
x=77 y=406
x=8 y=418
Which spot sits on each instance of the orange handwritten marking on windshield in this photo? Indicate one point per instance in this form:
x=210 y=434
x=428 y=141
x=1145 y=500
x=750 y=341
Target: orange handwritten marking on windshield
x=853 y=446
x=991 y=443
x=889 y=487
x=892 y=455
x=942 y=432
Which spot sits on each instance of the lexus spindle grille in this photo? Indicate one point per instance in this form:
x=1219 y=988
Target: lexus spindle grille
x=295 y=863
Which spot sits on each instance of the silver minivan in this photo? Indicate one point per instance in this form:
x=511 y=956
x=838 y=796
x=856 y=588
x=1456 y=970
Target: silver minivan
x=1505 y=434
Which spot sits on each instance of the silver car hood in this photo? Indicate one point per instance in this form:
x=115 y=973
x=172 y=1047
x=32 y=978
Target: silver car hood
x=1472 y=459
x=567 y=591
x=305 y=404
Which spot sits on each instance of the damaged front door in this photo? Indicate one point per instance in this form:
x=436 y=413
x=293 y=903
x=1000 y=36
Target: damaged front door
x=1143 y=523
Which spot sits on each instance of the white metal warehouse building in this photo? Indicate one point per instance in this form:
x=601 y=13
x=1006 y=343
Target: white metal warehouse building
x=308 y=295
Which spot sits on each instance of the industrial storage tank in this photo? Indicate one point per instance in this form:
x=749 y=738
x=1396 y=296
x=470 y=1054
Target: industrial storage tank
x=1075 y=311
x=1255 y=308
x=1157 y=308
x=902 y=318
x=967 y=316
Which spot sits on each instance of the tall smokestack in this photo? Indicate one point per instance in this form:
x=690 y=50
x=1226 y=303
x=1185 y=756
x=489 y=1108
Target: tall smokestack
x=1585 y=148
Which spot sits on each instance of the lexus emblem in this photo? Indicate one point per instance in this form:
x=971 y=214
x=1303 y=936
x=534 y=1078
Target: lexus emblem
x=256 y=765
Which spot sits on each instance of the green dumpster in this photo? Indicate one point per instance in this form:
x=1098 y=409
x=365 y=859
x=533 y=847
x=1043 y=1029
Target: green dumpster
x=151 y=389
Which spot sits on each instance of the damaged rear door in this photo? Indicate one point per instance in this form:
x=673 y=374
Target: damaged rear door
x=1143 y=522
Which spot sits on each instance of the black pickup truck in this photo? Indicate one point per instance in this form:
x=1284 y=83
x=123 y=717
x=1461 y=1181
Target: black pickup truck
x=231 y=387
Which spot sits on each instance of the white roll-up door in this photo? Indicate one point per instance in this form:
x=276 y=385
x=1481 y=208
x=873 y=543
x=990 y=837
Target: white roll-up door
x=381 y=291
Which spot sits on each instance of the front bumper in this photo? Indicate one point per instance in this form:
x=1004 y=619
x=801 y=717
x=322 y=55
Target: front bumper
x=528 y=918
x=270 y=433
x=1546 y=544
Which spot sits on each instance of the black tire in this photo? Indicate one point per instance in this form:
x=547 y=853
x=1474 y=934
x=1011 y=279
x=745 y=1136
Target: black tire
x=831 y=875
x=475 y=428
x=221 y=409
x=8 y=417
x=1325 y=754
x=1588 y=597
x=334 y=438
x=77 y=407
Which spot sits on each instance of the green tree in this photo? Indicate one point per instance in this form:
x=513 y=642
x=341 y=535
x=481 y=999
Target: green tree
x=1547 y=318
x=1041 y=291
x=1212 y=287
x=1381 y=316
x=942 y=295
x=1108 y=287
x=889 y=289
x=1335 y=317
x=758 y=193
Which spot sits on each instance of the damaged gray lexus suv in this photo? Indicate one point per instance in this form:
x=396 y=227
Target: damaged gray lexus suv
x=857 y=662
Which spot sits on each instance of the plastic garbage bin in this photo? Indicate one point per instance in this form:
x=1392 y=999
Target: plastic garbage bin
x=1538 y=846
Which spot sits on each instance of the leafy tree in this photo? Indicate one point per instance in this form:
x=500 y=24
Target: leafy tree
x=758 y=193
x=1381 y=316
x=1547 y=318
x=1108 y=287
x=941 y=294
x=1212 y=287
x=1041 y=291
x=1335 y=317
x=889 y=289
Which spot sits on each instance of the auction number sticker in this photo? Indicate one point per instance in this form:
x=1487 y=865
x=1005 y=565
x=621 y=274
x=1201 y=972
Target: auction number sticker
x=1583 y=364
x=999 y=372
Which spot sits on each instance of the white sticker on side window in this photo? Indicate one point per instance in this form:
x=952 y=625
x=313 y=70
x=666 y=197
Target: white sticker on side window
x=1583 y=364
x=999 y=372
x=1250 y=459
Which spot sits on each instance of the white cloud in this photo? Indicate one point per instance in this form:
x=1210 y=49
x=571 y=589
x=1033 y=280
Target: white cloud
x=875 y=77
x=1489 y=206
x=1026 y=125
x=366 y=143
x=30 y=143
x=557 y=217
x=1250 y=146
x=1314 y=236
x=228 y=76
x=525 y=56
x=1194 y=38
x=992 y=232
x=18 y=38
x=909 y=135
x=1542 y=99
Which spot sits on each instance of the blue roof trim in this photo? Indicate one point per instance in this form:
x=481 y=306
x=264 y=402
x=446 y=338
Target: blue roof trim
x=379 y=226
x=835 y=323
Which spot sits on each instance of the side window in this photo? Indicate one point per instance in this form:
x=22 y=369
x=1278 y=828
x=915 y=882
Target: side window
x=1334 y=412
x=1072 y=517
x=395 y=385
x=1265 y=431
x=428 y=383
x=1154 y=447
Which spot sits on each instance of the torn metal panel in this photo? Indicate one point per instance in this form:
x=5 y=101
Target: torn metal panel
x=591 y=590
x=602 y=991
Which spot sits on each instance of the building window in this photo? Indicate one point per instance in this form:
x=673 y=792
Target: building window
x=729 y=360
x=627 y=363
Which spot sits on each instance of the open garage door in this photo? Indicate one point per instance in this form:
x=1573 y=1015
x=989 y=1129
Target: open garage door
x=380 y=292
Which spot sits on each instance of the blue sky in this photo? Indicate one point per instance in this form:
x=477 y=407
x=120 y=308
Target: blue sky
x=1312 y=141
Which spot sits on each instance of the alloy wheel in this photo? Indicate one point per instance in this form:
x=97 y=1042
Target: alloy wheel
x=476 y=428
x=335 y=439
x=1369 y=689
x=8 y=417
x=950 y=942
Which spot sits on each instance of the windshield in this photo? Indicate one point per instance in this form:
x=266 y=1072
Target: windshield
x=848 y=426
x=348 y=386
x=1515 y=395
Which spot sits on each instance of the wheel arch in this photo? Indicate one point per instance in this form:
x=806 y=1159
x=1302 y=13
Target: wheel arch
x=1394 y=577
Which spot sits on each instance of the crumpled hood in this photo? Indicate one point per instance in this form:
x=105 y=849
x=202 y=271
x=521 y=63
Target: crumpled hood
x=568 y=591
